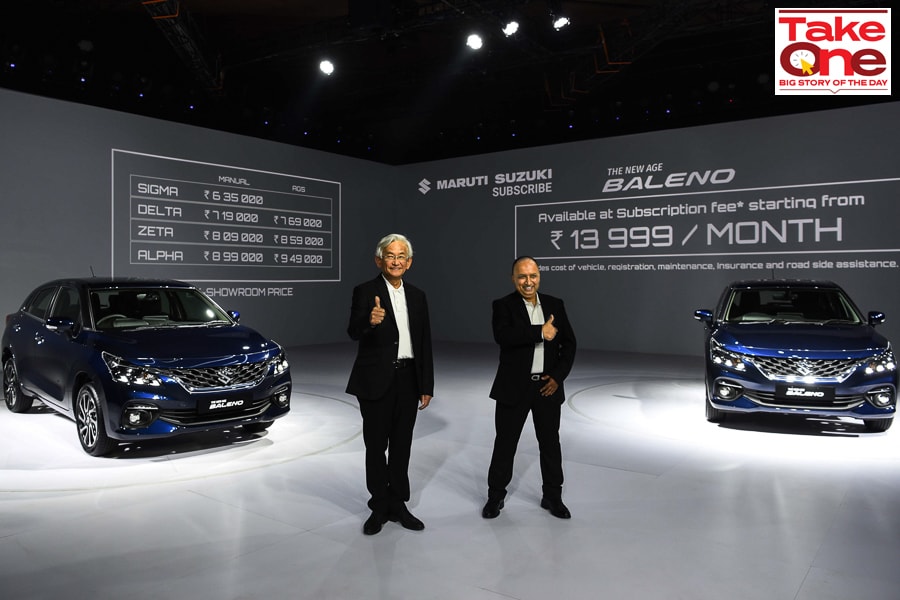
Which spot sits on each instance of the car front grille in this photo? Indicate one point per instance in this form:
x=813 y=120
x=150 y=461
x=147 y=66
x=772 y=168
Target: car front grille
x=211 y=378
x=785 y=369
x=838 y=403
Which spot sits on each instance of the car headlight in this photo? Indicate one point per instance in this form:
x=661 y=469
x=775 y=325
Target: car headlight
x=127 y=373
x=279 y=363
x=883 y=363
x=730 y=360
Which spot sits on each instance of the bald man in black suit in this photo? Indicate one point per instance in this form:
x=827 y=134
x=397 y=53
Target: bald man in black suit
x=537 y=350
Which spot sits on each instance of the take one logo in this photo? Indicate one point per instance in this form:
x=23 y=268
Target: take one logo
x=831 y=51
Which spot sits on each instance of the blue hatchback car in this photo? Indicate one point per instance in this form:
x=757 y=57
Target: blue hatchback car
x=797 y=347
x=130 y=359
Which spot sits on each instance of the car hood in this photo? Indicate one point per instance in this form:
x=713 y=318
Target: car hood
x=813 y=341
x=188 y=347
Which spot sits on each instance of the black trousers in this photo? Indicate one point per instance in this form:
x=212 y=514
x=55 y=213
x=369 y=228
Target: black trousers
x=509 y=421
x=387 y=432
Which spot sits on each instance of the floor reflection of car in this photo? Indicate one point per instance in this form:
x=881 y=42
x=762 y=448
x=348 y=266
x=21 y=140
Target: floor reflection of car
x=798 y=347
x=131 y=359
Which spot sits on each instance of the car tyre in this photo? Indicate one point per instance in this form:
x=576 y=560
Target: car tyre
x=878 y=425
x=90 y=421
x=16 y=401
x=713 y=414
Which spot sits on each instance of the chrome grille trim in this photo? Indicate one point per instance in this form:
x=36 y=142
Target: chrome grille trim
x=212 y=378
x=839 y=402
x=190 y=417
x=790 y=369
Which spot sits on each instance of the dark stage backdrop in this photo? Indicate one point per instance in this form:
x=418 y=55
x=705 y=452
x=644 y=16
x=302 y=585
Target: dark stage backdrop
x=636 y=232
x=633 y=232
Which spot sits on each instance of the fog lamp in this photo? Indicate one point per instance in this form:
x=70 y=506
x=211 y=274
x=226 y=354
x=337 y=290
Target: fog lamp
x=282 y=397
x=136 y=416
x=881 y=397
x=727 y=391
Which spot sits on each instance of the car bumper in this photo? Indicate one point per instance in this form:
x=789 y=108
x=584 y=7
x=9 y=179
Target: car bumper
x=134 y=413
x=730 y=393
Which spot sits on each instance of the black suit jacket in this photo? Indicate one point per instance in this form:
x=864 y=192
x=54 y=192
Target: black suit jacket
x=373 y=369
x=516 y=336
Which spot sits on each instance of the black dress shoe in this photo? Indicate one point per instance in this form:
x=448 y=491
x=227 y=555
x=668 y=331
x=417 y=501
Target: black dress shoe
x=492 y=509
x=556 y=508
x=406 y=519
x=374 y=523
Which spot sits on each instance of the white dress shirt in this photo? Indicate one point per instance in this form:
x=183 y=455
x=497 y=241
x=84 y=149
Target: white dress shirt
x=536 y=314
x=401 y=315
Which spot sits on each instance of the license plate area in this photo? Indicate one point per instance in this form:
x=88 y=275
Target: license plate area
x=219 y=405
x=795 y=392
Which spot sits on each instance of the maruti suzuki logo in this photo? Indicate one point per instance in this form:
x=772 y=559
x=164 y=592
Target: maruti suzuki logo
x=225 y=376
x=805 y=367
x=424 y=186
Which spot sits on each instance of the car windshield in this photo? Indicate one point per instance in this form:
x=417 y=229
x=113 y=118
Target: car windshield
x=792 y=305
x=124 y=308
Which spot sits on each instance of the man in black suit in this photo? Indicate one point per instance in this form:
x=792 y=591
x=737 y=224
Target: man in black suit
x=393 y=375
x=537 y=349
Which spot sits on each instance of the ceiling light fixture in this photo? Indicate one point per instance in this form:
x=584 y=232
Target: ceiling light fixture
x=510 y=28
x=327 y=67
x=474 y=42
x=557 y=18
x=560 y=22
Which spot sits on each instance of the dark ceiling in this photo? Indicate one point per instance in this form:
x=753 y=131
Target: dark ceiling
x=406 y=89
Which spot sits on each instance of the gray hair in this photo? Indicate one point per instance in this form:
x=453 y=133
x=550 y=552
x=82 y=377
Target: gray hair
x=390 y=239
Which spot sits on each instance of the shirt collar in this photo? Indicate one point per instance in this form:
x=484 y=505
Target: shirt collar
x=529 y=304
x=390 y=287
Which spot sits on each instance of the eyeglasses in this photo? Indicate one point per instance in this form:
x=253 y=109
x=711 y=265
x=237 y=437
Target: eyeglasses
x=392 y=257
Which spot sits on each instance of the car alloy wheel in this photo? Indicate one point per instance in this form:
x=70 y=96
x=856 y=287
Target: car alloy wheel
x=89 y=420
x=12 y=390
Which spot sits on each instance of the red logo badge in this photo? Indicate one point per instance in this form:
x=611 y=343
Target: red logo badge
x=832 y=51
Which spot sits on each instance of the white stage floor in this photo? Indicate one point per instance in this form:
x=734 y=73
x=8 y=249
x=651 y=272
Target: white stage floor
x=664 y=505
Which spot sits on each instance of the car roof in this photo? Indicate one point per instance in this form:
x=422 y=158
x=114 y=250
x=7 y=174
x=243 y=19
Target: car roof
x=114 y=282
x=783 y=283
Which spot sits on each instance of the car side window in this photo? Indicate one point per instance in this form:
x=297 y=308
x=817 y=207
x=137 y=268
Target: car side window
x=40 y=303
x=67 y=304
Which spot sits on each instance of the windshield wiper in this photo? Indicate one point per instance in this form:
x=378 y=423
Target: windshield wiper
x=217 y=323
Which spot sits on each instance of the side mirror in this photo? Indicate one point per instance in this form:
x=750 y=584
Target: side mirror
x=876 y=318
x=61 y=324
x=235 y=315
x=703 y=315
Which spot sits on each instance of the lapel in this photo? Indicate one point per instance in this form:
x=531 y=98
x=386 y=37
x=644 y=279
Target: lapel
x=520 y=307
x=385 y=296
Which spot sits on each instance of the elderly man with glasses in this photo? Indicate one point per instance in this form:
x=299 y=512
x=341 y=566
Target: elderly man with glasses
x=392 y=377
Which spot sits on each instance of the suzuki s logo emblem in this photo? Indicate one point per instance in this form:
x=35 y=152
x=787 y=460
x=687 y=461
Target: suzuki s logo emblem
x=424 y=186
x=805 y=367
x=225 y=376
